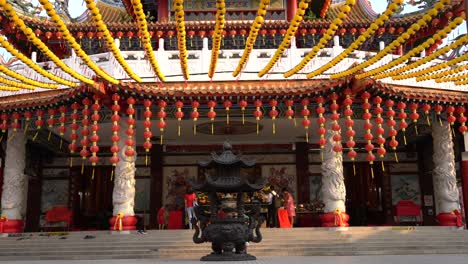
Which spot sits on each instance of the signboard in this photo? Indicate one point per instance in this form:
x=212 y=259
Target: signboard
x=206 y=5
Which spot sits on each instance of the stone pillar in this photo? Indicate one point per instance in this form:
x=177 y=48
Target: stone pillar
x=444 y=176
x=291 y=9
x=123 y=196
x=14 y=184
x=333 y=186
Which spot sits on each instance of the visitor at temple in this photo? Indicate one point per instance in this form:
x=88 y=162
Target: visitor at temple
x=163 y=215
x=289 y=205
x=190 y=200
x=274 y=202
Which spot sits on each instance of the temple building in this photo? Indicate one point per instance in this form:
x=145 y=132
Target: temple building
x=106 y=117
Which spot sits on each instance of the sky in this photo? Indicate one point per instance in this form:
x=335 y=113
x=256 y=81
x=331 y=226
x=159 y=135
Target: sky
x=77 y=7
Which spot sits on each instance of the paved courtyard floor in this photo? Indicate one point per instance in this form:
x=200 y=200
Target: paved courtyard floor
x=416 y=259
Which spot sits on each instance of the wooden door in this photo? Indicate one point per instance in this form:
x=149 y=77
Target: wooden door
x=364 y=194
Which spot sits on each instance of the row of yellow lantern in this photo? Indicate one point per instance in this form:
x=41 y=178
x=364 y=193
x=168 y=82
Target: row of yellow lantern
x=217 y=35
x=9 y=88
x=97 y=18
x=345 y=9
x=452 y=78
x=26 y=80
x=256 y=25
x=8 y=10
x=379 y=72
x=181 y=37
x=146 y=38
x=397 y=42
x=464 y=82
x=49 y=8
x=437 y=67
x=20 y=85
x=442 y=73
x=7 y=46
x=295 y=22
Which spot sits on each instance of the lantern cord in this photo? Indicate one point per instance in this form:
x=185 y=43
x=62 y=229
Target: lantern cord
x=307 y=135
x=61 y=143
x=71 y=161
x=146 y=159
x=112 y=174
x=404 y=137
x=372 y=170
x=161 y=139
x=82 y=166
x=428 y=120
x=194 y=129
x=396 y=156
x=416 y=130
x=383 y=166
x=34 y=138
x=227 y=117
x=258 y=127
x=354 y=168
x=274 y=128
x=26 y=128
x=50 y=134
x=243 y=118
x=92 y=175
x=12 y=136
x=212 y=128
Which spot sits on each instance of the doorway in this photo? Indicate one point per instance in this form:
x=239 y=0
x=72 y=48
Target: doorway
x=364 y=201
x=92 y=203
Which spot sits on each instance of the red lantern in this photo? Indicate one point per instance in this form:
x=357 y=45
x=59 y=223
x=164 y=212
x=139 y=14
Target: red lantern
x=334 y=107
x=72 y=147
x=39 y=122
x=129 y=151
x=50 y=121
x=179 y=114
x=62 y=119
x=85 y=131
x=402 y=115
x=462 y=120
x=95 y=117
x=115 y=132
x=195 y=115
x=379 y=131
x=321 y=122
x=391 y=123
x=414 y=115
x=48 y=34
x=243 y=104
x=227 y=106
x=289 y=112
x=368 y=127
x=161 y=115
x=129 y=36
x=15 y=125
x=27 y=116
x=147 y=124
x=438 y=109
x=426 y=108
x=258 y=113
x=273 y=113
x=350 y=133
x=273 y=35
x=263 y=32
x=212 y=114
x=450 y=117
x=4 y=124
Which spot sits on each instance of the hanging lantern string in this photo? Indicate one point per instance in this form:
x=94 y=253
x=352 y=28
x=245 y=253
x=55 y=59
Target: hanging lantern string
x=195 y=115
x=114 y=160
x=85 y=132
x=161 y=115
x=321 y=120
x=147 y=145
x=243 y=104
x=391 y=123
x=350 y=133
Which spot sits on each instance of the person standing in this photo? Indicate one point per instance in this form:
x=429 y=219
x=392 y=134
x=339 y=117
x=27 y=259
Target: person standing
x=190 y=200
x=289 y=205
x=273 y=205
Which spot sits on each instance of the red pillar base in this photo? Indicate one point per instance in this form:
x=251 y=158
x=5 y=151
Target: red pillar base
x=11 y=226
x=450 y=219
x=331 y=219
x=128 y=223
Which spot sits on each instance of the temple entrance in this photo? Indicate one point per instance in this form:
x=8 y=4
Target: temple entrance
x=93 y=205
x=364 y=201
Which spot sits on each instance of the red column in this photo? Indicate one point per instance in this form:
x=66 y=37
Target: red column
x=464 y=176
x=291 y=9
x=163 y=11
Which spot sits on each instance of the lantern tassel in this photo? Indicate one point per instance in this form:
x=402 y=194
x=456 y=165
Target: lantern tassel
x=71 y=161
x=92 y=174
x=178 y=129
x=404 y=137
x=321 y=154
x=372 y=170
x=383 y=166
x=258 y=127
x=396 y=156
x=12 y=136
x=194 y=129
x=50 y=134
x=227 y=117
x=112 y=174
x=453 y=131
x=61 y=143
x=82 y=166
x=243 y=117
x=34 y=138
x=354 y=168
x=440 y=120
x=428 y=120
x=26 y=128
x=161 y=139
x=212 y=128
x=294 y=121
x=307 y=135
x=274 y=128
x=146 y=159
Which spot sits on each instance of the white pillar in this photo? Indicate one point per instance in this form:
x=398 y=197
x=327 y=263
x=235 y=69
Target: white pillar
x=333 y=185
x=14 y=180
x=443 y=174
x=123 y=196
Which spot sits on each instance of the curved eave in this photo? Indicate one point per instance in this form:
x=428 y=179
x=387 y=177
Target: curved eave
x=109 y=13
x=36 y=99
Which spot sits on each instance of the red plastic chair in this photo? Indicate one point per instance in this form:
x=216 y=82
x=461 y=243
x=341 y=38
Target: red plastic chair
x=410 y=209
x=175 y=220
x=59 y=214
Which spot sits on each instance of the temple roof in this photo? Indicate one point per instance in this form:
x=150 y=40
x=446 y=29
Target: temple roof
x=111 y=12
